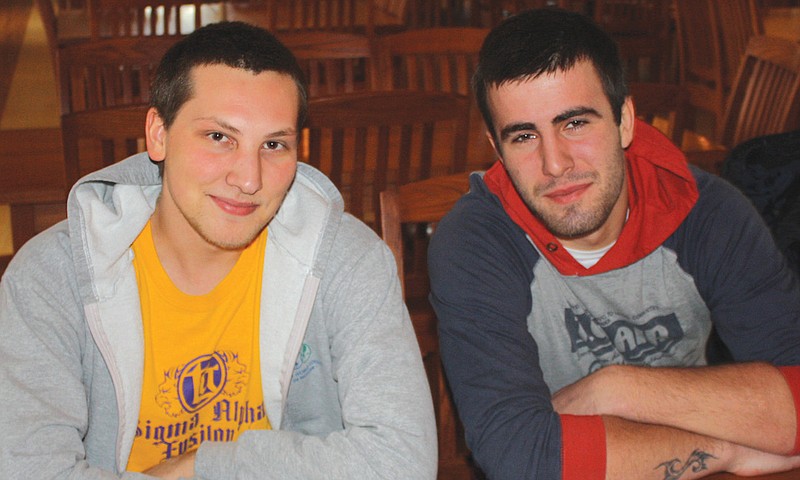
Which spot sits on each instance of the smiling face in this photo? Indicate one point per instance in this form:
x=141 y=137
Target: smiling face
x=231 y=155
x=558 y=140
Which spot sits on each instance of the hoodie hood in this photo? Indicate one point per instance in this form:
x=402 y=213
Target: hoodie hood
x=661 y=193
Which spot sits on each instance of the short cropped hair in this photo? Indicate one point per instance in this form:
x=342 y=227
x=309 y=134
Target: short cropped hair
x=234 y=44
x=537 y=42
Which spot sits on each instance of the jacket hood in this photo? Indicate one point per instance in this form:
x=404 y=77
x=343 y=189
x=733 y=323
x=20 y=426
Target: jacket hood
x=107 y=210
x=661 y=193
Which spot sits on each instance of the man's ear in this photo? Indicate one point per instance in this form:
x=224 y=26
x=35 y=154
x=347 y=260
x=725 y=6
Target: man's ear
x=495 y=147
x=155 y=135
x=627 y=119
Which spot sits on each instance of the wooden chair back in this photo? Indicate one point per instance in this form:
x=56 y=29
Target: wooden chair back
x=765 y=97
x=420 y=205
x=136 y=18
x=439 y=59
x=642 y=31
x=663 y=105
x=333 y=62
x=421 y=202
x=711 y=35
x=736 y=21
x=94 y=139
x=109 y=72
x=282 y=15
x=368 y=141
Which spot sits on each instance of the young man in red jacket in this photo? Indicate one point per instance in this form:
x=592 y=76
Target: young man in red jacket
x=592 y=253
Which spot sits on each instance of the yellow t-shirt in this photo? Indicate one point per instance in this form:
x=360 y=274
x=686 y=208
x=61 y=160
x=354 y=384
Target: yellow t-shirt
x=202 y=376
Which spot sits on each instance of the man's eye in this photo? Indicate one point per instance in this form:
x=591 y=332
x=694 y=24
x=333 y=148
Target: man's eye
x=576 y=123
x=217 y=136
x=525 y=137
x=272 y=145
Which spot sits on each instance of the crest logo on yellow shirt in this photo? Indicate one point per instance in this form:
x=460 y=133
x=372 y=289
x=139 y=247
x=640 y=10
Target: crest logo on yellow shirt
x=190 y=387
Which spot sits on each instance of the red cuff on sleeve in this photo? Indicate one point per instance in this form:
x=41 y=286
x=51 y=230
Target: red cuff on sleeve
x=583 y=448
x=792 y=376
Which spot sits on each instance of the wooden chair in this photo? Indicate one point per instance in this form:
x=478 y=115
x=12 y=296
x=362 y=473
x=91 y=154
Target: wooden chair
x=737 y=21
x=109 y=72
x=94 y=139
x=418 y=205
x=368 y=141
x=439 y=59
x=666 y=107
x=131 y=18
x=711 y=36
x=764 y=99
x=663 y=105
x=333 y=62
x=355 y=16
x=641 y=28
x=32 y=183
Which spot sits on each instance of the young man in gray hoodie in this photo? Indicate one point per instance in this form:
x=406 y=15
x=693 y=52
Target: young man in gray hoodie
x=208 y=310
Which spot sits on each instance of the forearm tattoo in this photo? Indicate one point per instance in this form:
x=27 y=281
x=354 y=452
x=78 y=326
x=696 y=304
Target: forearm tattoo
x=673 y=470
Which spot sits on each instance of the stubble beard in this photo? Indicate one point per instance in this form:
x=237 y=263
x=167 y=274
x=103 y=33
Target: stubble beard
x=576 y=220
x=221 y=240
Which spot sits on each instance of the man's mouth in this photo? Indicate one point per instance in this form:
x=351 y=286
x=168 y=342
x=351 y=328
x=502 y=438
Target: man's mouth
x=233 y=207
x=568 y=194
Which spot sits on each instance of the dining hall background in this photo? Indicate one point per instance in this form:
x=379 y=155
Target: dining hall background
x=685 y=105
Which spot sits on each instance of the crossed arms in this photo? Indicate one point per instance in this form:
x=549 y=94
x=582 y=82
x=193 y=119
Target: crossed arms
x=688 y=422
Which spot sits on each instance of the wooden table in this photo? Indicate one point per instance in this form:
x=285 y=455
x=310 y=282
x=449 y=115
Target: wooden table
x=790 y=475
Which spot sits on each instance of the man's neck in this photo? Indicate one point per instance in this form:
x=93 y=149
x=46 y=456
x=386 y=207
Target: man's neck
x=194 y=266
x=606 y=235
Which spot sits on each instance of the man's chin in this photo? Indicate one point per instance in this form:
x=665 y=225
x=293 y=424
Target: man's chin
x=233 y=242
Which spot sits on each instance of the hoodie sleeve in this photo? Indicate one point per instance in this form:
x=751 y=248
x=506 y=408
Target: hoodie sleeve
x=387 y=425
x=481 y=268
x=44 y=349
x=752 y=293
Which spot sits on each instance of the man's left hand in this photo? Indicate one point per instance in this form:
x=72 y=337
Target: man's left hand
x=584 y=397
x=176 y=468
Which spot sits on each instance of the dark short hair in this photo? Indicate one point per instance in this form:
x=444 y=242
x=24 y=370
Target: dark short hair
x=547 y=40
x=234 y=44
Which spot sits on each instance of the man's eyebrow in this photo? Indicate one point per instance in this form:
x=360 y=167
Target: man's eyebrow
x=227 y=126
x=508 y=130
x=222 y=124
x=576 y=112
x=283 y=133
x=516 y=127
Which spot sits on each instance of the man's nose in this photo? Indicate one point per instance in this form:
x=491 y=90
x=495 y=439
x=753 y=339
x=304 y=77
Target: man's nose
x=245 y=173
x=556 y=156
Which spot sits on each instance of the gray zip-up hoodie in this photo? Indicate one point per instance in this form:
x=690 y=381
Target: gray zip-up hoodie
x=343 y=381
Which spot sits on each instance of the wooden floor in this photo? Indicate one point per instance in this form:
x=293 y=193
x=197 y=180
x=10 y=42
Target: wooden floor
x=28 y=97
